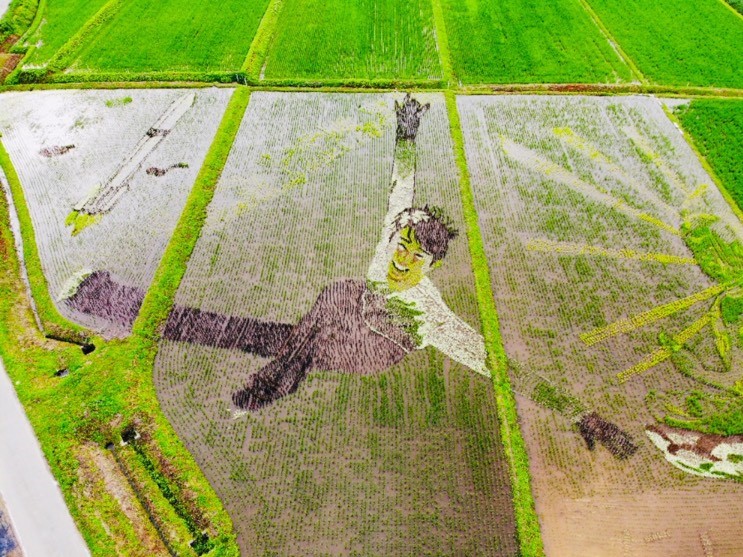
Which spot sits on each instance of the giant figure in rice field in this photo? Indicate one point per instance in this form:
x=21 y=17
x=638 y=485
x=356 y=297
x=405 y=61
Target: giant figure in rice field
x=358 y=326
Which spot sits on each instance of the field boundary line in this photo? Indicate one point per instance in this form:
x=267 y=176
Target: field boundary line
x=162 y=77
x=64 y=57
x=729 y=7
x=54 y=325
x=75 y=80
x=442 y=43
x=527 y=523
x=258 y=53
x=35 y=22
x=160 y=296
x=614 y=43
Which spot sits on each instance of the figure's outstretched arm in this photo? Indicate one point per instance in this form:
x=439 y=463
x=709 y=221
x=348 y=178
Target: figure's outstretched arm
x=402 y=184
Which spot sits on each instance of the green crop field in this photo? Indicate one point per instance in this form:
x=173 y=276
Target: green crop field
x=61 y=20
x=173 y=35
x=717 y=129
x=522 y=42
x=678 y=43
x=361 y=39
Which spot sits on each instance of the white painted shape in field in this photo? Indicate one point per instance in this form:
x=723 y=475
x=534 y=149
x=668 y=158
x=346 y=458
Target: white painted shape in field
x=130 y=239
x=42 y=521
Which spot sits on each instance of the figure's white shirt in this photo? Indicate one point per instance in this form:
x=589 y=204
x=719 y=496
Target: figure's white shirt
x=439 y=326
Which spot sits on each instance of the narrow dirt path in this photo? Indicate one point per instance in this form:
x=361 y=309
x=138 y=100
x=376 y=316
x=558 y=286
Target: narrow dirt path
x=34 y=501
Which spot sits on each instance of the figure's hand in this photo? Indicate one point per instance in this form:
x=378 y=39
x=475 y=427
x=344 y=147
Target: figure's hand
x=409 y=115
x=594 y=428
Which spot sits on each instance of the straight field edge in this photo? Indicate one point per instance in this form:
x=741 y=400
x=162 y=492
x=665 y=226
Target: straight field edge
x=442 y=42
x=66 y=54
x=53 y=323
x=258 y=52
x=527 y=523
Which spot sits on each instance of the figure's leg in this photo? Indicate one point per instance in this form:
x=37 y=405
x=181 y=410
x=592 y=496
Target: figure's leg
x=283 y=375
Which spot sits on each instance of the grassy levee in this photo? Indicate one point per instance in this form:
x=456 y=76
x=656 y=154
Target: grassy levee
x=527 y=524
x=83 y=78
x=66 y=54
x=38 y=18
x=442 y=43
x=18 y=17
x=159 y=300
x=716 y=130
x=678 y=42
x=264 y=36
x=52 y=321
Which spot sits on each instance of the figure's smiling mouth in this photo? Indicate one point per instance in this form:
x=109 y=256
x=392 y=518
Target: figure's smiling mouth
x=398 y=268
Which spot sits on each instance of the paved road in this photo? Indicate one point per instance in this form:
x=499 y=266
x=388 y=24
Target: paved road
x=35 y=505
x=3 y=6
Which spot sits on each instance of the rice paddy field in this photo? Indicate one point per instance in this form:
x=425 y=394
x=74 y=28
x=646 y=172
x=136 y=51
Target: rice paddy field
x=528 y=42
x=181 y=36
x=365 y=40
x=193 y=194
x=589 y=201
x=65 y=144
x=678 y=43
x=403 y=461
x=60 y=21
x=716 y=128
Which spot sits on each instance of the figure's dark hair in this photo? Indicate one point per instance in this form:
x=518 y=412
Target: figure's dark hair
x=432 y=229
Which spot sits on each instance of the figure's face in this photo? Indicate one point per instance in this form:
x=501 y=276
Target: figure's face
x=410 y=262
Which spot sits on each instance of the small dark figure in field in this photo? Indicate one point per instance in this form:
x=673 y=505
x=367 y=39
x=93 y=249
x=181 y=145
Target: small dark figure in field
x=359 y=326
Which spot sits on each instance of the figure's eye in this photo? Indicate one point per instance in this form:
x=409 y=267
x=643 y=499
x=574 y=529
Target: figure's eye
x=401 y=248
x=418 y=256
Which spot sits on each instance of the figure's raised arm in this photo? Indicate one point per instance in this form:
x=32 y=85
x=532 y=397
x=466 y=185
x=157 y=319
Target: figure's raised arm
x=402 y=185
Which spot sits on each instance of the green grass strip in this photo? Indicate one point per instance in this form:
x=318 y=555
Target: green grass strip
x=159 y=300
x=54 y=324
x=614 y=43
x=17 y=18
x=258 y=52
x=442 y=41
x=527 y=524
x=66 y=54
x=38 y=18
